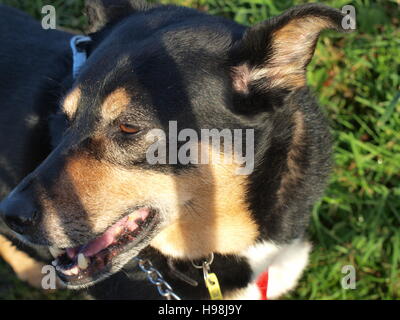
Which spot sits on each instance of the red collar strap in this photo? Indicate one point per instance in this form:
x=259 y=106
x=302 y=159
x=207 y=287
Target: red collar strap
x=262 y=284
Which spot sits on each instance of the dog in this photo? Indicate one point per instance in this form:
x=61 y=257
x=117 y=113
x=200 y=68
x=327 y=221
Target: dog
x=75 y=180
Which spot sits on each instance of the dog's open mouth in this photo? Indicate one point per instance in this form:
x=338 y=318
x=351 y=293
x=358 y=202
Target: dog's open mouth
x=88 y=263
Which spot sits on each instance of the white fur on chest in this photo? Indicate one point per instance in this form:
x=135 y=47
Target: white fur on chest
x=285 y=264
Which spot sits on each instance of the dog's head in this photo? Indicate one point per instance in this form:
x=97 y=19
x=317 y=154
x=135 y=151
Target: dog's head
x=97 y=200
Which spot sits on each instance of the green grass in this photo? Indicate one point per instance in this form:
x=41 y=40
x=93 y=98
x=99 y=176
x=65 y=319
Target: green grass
x=356 y=78
x=12 y=288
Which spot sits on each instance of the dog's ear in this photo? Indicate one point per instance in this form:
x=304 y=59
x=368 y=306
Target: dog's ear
x=274 y=54
x=105 y=12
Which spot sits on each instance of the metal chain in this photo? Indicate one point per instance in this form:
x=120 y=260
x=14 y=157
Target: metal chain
x=156 y=278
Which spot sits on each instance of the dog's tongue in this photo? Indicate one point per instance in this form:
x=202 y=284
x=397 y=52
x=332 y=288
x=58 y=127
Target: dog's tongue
x=110 y=236
x=104 y=241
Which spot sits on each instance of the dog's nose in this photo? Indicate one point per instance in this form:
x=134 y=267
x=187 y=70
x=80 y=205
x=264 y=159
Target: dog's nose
x=19 y=214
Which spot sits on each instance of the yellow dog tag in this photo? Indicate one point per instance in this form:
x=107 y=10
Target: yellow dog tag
x=212 y=285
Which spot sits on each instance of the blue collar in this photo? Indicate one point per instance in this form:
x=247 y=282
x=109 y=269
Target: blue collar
x=79 y=54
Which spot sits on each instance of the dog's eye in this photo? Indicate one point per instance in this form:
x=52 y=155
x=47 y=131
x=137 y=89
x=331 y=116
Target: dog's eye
x=128 y=129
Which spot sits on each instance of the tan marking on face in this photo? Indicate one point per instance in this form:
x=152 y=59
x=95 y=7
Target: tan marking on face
x=26 y=268
x=219 y=220
x=294 y=173
x=115 y=103
x=204 y=208
x=70 y=103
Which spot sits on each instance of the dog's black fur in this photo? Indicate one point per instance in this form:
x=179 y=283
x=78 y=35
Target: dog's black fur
x=181 y=61
x=29 y=98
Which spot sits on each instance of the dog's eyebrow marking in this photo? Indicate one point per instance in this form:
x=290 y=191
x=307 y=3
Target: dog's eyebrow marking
x=71 y=102
x=115 y=103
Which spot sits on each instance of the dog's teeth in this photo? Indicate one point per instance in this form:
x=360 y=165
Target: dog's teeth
x=56 y=252
x=137 y=215
x=71 y=272
x=74 y=271
x=83 y=262
x=132 y=217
